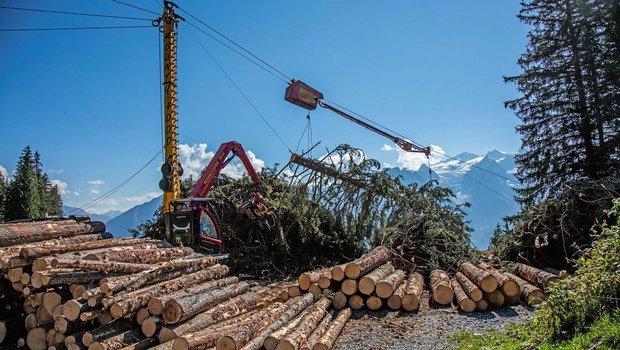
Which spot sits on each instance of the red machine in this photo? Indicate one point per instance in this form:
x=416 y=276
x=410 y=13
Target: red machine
x=193 y=221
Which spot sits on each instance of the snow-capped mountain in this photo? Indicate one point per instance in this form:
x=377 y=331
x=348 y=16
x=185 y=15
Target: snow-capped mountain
x=474 y=179
x=105 y=217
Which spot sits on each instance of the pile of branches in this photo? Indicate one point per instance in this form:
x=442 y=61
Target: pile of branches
x=557 y=231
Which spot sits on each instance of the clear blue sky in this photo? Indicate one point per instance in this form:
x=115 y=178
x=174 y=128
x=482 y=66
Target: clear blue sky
x=89 y=100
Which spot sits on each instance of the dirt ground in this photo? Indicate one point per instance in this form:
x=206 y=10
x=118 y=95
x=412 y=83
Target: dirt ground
x=430 y=328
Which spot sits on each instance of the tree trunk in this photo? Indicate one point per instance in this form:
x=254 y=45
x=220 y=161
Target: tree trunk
x=349 y=286
x=465 y=304
x=367 y=262
x=441 y=287
x=536 y=276
x=340 y=300
x=395 y=301
x=27 y=232
x=144 y=256
x=367 y=283
x=177 y=310
x=156 y=304
x=126 y=303
x=374 y=303
x=308 y=343
x=293 y=339
x=509 y=287
x=495 y=298
x=385 y=288
x=307 y=278
x=469 y=287
x=103 y=266
x=483 y=279
x=107 y=331
x=117 y=341
x=356 y=301
x=220 y=313
x=531 y=294
x=31 y=253
x=413 y=292
x=295 y=309
x=337 y=272
x=326 y=342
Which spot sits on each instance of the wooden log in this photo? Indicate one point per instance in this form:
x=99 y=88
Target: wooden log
x=177 y=310
x=151 y=326
x=356 y=301
x=271 y=340
x=105 y=332
x=62 y=325
x=294 y=291
x=127 y=303
x=531 y=294
x=513 y=300
x=50 y=300
x=57 y=277
x=156 y=304
x=91 y=315
x=293 y=339
x=36 y=338
x=307 y=278
x=506 y=284
x=143 y=256
x=482 y=278
x=349 y=286
x=31 y=321
x=315 y=290
x=24 y=278
x=14 y=275
x=367 y=262
x=257 y=342
x=74 y=338
x=32 y=253
x=308 y=343
x=325 y=281
x=58 y=311
x=464 y=302
x=495 y=298
x=117 y=341
x=385 y=288
x=340 y=300
x=482 y=305
x=469 y=287
x=337 y=272
x=103 y=266
x=27 y=232
x=374 y=303
x=43 y=316
x=369 y=281
x=441 y=289
x=326 y=342
x=73 y=308
x=536 y=276
x=142 y=315
x=77 y=290
x=228 y=310
x=395 y=301
x=413 y=292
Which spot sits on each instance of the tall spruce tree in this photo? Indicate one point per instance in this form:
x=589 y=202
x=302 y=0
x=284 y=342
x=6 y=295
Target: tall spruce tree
x=569 y=108
x=3 y=185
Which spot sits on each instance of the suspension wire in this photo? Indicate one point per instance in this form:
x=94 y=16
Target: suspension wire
x=74 y=13
x=310 y=136
x=245 y=97
x=69 y=28
x=236 y=51
x=137 y=7
x=98 y=200
x=237 y=45
x=301 y=137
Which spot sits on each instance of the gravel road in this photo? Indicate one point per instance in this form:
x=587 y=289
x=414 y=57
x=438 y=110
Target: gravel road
x=430 y=328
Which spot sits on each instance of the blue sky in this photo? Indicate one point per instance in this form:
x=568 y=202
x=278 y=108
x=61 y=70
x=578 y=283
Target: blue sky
x=89 y=100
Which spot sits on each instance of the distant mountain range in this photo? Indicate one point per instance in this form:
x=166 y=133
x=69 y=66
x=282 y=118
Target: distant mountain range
x=105 y=217
x=474 y=179
x=470 y=176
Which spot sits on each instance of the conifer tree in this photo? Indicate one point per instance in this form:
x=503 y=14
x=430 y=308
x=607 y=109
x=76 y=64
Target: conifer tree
x=3 y=185
x=22 y=199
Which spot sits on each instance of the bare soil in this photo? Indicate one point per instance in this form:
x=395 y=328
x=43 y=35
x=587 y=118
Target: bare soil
x=430 y=328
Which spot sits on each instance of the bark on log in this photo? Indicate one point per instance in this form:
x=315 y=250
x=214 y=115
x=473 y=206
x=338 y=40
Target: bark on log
x=495 y=298
x=395 y=301
x=483 y=279
x=349 y=286
x=27 y=232
x=340 y=300
x=367 y=262
x=356 y=301
x=103 y=266
x=106 y=331
x=292 y=340
x=337 y=272
x=307 y=278
x=308 y=344
x=144 y=256
x=385 y=288
x=413 y=292
x=509 y=287
x=220 y=313
x=287 y=316
x=531 y=294
x=326 y=342
x=31 y=253
x=177 y=310
x=374 y=303
x=464 y=302
x=536 y=276
x=117 y=341
x=272 y=339
x=469 y=287
x=441 y=287
x=156 y=304
x=369 y=281
x=127 y=303
x=57 y=277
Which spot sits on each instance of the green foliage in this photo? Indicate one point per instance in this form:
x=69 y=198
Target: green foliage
x=581 y=311
x=3 y=186
x=30 y=195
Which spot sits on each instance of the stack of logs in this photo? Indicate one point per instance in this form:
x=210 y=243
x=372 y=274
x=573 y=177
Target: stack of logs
x=68 y=285
x=372 y=282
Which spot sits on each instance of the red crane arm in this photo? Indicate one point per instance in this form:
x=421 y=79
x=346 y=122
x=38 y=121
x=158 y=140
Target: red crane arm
x=219 y=161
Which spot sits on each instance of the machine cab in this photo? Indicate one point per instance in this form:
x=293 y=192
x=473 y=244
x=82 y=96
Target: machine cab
x=194 y=224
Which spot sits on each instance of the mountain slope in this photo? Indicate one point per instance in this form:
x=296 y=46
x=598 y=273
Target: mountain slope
x=120 y=225
x=105 y=217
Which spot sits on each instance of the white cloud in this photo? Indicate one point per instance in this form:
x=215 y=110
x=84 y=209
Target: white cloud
x=94 y=191
x=141 y=199
x=412 y=160
x=56 y=171
x=96 y=182
x=63 y=188
x=3 y=172
x=194 y=158
x=76 y=193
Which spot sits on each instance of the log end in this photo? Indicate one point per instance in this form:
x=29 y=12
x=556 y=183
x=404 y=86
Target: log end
x=71 y=310
x=374 y=303
x=410 y=303
x=155 y=306
x=96 y=346
x=36 y=339
x=366 y=286
x=315 y=290
x=285 y=344
x=324 y=282
x=116 y=310
x=340 y=300
x=488 y=283
x=356 y=302
x=482 y=305
x=349 y=286
x=337 y=273
x=443 y=295
x=304 y=281
x=467 y=305
x=476 y=295
x=294 y=291
x=180 y=344
x=352 y=270
x=172 y=312
x=165 y=335
x=226 y=343
x=149 y=327
x=510 y=288
x=384 y=289
x=142 y=315
x=394 y=302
